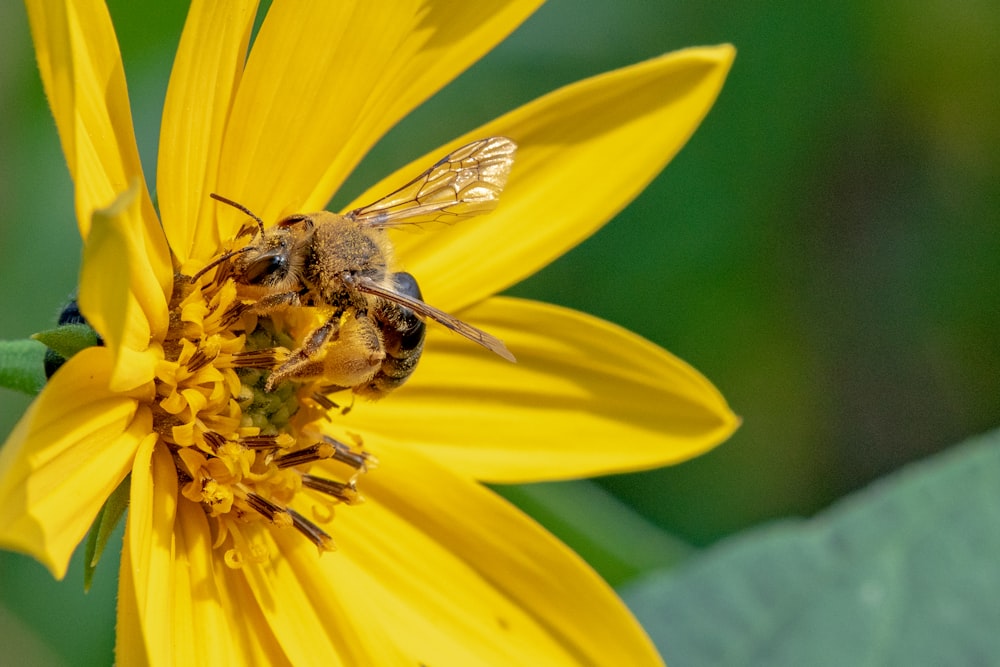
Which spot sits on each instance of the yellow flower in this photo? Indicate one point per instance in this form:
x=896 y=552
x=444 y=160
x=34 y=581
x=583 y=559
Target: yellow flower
x=220 y=563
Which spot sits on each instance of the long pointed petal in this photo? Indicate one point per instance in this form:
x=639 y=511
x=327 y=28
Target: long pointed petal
x=148 y=578
x=585 y=398
x=119 y=293
x=318 y=93
x=176 y=595
x=203 y=82
x=446 y=573
x=584 y=152
x=84 y=80
x=65 y=457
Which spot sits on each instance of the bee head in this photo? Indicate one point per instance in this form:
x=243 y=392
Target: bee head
x=270 y=262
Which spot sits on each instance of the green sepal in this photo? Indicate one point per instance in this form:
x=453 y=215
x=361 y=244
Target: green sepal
x=22 y=365
x=68 y=339
x=105 y=523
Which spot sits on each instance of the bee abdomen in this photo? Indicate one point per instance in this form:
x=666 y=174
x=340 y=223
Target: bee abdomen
x=403 y=340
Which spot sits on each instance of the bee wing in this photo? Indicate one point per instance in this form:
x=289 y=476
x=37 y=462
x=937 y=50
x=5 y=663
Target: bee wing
x=466 y=182
x=489 y=341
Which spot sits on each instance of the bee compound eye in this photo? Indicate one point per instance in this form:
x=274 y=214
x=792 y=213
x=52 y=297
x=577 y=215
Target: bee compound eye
x=264 y=268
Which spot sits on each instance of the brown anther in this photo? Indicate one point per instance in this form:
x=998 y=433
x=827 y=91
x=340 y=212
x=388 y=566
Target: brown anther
x=332 y=389
x=267 y=358
x=346 y=493
x=345 y=454
x=315 y=534
x=183 y=477
x=214 y=440
x=260 y=442
x=266 y=508
x=199 y=360
x=316 y=452
x=323 y=401
x=233 y=314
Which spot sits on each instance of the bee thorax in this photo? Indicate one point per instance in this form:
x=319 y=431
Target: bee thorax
x=342 y=248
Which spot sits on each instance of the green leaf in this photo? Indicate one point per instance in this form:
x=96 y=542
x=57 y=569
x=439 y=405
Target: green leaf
x=105 y=523
x=68 y=339
x=21 y=365
x=613 y=538
x=906 y=572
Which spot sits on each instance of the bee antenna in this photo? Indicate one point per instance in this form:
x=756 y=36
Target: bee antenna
x=239 y=207
x=220 y=260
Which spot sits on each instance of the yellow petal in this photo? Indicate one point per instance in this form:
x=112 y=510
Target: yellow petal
x=178 y=604
x=233 y=610
x=119 y=293
x=84 y=80
x=585 y=398
x=325 y=80
x=65 y=457
x=287 y=598
x=440 y=571
x=584 y=152
x=130 y=647
x=147 y=572
x=206 y=72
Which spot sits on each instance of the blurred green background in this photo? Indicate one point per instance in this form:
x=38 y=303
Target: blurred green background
x=825 y=249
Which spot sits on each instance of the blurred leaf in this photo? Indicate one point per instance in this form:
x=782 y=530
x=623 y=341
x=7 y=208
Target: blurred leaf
x=903 y=573
x=22 y=645
x=21 y=365
x=105 y=524
x=609 y=535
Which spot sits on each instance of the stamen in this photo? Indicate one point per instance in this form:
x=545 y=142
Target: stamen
x=315 y=534
x=312 y=453
x=346 y=493
x=214 y=440
x=276 y=514
x=323 y=401
x=199 y=360
x=233 y=314
x=263 y=441
x=345 y=454
x=327 y=403
x=182 y=477
x=267 y=358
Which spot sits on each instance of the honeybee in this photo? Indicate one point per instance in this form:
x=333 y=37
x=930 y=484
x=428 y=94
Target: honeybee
x=344 y=263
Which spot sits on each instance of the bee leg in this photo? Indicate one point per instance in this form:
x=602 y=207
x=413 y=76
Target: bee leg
x=272 y=302
x=302 y=363
x=358 y=353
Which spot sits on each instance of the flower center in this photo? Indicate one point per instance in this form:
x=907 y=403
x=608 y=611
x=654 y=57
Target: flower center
x=245 y=454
